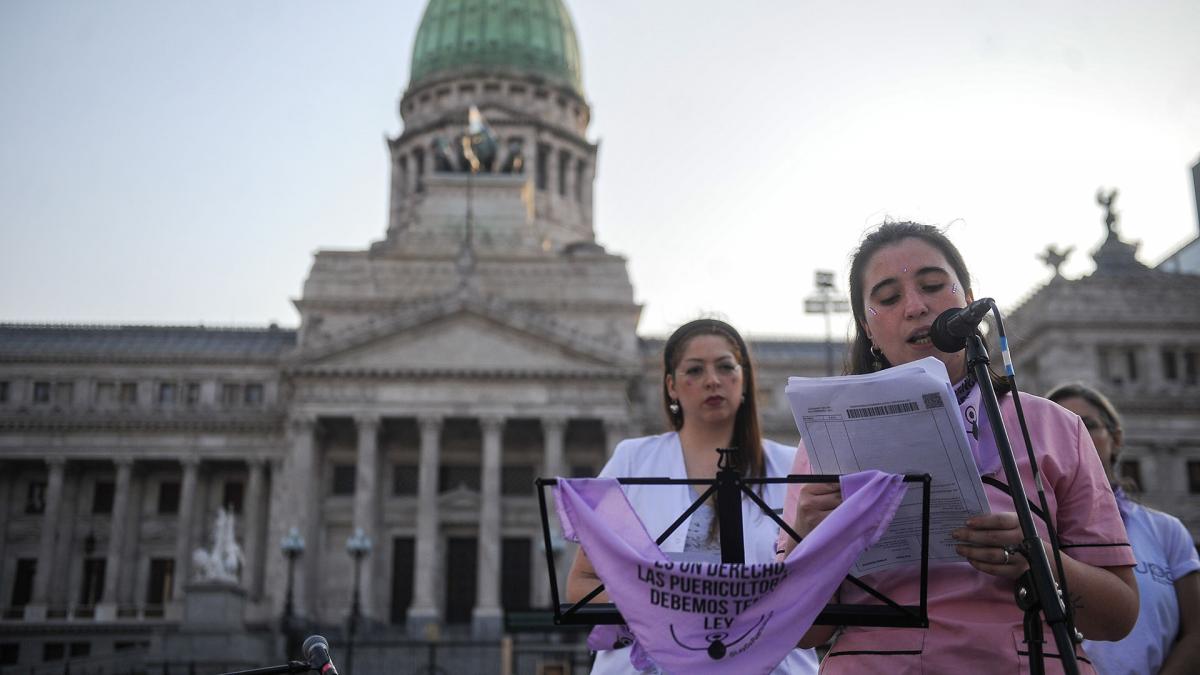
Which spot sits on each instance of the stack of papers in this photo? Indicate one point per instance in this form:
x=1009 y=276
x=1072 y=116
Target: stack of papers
x=904 y=419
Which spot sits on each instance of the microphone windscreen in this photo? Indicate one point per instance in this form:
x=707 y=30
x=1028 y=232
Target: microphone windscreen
x=941 y=336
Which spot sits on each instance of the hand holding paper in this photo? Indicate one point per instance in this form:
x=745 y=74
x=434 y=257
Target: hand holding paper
x=901 y=420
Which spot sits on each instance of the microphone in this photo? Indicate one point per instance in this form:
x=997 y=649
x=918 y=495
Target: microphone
x=951 y=329
x=316 y=654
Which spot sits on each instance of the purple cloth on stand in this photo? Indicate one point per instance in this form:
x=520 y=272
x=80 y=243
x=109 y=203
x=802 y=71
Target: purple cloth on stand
x=702 y=618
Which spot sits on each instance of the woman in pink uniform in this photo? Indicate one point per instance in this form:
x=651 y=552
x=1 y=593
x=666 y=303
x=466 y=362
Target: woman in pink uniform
x=901 y=278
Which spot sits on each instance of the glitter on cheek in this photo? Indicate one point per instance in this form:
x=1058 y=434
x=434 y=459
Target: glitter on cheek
x=954 y=288
x=872 y=311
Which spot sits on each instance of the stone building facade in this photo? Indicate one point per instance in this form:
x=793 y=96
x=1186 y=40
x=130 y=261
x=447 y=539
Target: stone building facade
x=1132 y=332
x=485 y=340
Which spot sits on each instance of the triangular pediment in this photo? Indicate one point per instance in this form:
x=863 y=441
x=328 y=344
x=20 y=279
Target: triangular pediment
x=462 y=341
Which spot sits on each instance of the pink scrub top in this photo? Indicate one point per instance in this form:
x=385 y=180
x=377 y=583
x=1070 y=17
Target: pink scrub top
x=974 y=623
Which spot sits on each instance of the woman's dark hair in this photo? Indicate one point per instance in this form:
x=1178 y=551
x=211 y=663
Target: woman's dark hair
x=1108 y=412
x=747 y=435
x=859 y=359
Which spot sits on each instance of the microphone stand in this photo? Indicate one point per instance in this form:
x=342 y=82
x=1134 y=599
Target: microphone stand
x=1036 y=593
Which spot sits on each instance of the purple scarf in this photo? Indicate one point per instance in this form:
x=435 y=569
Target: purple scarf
x=712 y=617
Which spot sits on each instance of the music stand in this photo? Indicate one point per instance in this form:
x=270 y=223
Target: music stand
x=729 y=486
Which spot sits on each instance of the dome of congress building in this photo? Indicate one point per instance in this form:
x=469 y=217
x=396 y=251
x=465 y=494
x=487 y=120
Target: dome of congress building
x=527 y=36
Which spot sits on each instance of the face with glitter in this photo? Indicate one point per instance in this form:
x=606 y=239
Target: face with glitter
x=905 y=286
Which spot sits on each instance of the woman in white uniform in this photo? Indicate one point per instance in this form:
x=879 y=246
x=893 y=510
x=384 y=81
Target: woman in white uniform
x=709 y=398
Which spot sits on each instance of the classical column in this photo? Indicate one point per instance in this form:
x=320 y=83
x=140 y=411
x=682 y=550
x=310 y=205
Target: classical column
x=107 y=609
x=366 y=501
x=553 y=433
x=252 y=534
x=36 y=610
x=424 y=611
x=487 y=615
x=183 y=535
x=303 y=474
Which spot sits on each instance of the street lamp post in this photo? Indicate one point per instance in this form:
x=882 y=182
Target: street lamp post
x=292 y=546
x=358 y=545
x=824 y=302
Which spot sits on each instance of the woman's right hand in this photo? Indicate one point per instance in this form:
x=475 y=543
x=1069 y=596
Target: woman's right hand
x=816 y=501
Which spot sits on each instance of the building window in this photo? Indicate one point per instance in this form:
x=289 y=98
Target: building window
x=102 y=497
x=3 y=392
x=93 y=582
x=35 y=497
x=1118 y=365
x=161 y=584
x=54 y=651
x=106 y=393
x=41 y=392
x=542 y=166
x=231 y=394
x=403 y=553
x=128 y=394
x=517 y=481
x=1191 y=367
x=78 y=650
x=452 y=477
x=22 y=591
x=10 y=653
x=405 y=479
x=419 y=161
x=1193 y=470
x=1170 y=364
x=254 y=395
x=515 y=568
x=580 y=168
x=564 y=164
x=233 y=495
x=192 y=393
x=168 y=497
x=64 y=393
x=344 y=477
x=166 y=393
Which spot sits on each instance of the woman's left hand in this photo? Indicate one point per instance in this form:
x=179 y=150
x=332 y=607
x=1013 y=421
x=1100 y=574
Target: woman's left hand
x=991 y=543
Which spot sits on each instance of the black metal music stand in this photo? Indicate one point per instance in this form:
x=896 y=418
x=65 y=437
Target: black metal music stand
x=729 y=486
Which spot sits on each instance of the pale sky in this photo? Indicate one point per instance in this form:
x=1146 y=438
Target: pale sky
x=179 y=162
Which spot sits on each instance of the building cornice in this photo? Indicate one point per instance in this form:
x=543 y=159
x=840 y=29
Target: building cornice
x=271 y=423
x=461 y=374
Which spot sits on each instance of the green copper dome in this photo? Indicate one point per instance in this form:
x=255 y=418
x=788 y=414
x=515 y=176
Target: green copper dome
x=528 y=36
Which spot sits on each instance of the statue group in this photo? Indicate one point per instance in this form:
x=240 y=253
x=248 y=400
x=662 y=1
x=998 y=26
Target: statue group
x=477 y=150
x=223 y=561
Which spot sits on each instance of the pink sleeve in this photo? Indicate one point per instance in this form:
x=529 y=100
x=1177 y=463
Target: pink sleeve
x=784 y=542
x=1089 y=523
